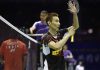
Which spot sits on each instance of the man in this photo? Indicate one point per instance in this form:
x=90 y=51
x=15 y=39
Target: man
x=37 y=26
x=69 y=59
x=80 y=66
x=51 y=40
x=40 y=24
x=41 y=31
x=13 y=53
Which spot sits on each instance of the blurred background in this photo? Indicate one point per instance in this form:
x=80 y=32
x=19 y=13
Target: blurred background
x=23 y=13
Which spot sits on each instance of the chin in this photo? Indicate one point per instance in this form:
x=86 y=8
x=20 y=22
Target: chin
x=57 y=30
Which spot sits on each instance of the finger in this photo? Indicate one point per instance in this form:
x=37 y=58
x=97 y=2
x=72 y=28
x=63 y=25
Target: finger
x=68 y=9
x=71 y=11
x=70 y=5
x=74 y=4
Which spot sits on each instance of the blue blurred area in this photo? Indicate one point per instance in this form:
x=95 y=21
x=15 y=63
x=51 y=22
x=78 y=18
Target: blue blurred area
x=88 y=51
x=1 y=66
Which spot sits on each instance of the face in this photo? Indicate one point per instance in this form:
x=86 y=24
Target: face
x=43 y=16
x=80 y=63
x=55 y=24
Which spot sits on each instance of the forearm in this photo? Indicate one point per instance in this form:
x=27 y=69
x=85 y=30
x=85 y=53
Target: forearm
x=62 y=42
x=75 y=21
x=58 y=45
x=31 y=30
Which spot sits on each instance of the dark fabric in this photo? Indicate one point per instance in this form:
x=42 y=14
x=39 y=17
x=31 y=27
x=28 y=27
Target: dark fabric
x=55 y=61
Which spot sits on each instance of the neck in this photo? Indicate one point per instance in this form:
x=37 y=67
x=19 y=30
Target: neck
x=53 y=32
x=43 y=21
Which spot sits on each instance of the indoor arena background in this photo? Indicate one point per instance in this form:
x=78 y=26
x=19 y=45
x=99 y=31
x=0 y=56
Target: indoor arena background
x=23 y=13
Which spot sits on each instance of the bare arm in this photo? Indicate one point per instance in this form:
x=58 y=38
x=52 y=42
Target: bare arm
x=75 y=21
x=31 y=30
x=73 y=10
x=58 y=45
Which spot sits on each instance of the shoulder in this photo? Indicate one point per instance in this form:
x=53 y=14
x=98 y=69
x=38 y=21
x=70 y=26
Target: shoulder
x=47 y=38
x=78 y=66
x=37 y=22
x=21 y=43
x=44 y=36
x=47 y=35
x=6 y=41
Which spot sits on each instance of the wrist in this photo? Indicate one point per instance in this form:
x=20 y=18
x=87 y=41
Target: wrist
x=74 y=13
x=67 y=36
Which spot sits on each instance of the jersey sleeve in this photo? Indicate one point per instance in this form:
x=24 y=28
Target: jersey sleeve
x=34 y=25
x=46 y=39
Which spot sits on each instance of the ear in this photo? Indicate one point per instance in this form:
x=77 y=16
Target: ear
x=48 y=22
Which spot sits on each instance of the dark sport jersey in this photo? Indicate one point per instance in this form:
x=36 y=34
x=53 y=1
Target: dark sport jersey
x=55 y=59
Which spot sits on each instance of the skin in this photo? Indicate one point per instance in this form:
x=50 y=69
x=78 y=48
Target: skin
x=43 y=17
x=54 y=25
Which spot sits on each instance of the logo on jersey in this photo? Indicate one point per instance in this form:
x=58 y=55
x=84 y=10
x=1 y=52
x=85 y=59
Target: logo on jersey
x=12 y=48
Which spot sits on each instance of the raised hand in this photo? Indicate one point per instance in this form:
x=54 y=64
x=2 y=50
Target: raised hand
x=71 y=31
x=71 y=7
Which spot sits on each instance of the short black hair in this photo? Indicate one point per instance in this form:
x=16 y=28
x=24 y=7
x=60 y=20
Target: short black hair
x=50 y=16
x=44 y=11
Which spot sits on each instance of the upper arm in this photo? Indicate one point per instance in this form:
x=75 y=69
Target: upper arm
x=51 y=42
